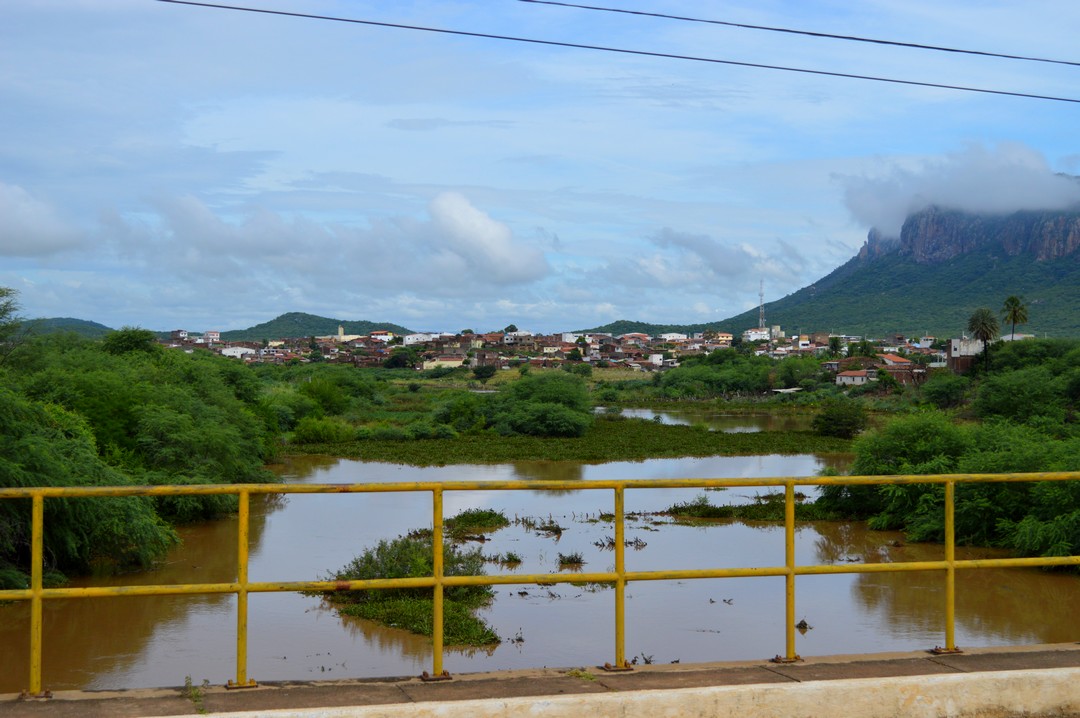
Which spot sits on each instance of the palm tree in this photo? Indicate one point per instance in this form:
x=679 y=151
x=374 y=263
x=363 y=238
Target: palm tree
x=1014 y=311
x=983 y=325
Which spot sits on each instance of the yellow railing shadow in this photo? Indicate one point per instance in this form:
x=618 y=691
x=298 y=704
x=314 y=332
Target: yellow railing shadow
x=619 y=577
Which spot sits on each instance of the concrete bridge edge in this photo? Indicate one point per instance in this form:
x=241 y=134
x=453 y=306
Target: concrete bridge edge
x=1054 y=691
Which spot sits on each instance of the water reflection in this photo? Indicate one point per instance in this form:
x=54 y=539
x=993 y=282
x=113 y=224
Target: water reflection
x=717 y=421
x=110 y=643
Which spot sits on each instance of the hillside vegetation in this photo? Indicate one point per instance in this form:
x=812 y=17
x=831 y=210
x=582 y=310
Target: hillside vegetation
x=298 y=324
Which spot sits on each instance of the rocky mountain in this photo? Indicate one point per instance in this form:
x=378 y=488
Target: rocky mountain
x=944 y=265
x=937 y=235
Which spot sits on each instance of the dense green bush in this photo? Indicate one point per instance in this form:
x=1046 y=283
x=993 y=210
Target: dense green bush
x=945 y=390
x=542 y=419
x=119 y=412
x=1022 y=394
x=46 y=445
x=840 y=417
x=552 y=404
x=325 y=430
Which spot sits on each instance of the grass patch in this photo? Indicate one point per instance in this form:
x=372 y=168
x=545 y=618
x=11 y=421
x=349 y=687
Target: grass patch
x=581 y=673
x=509 y=559
x=412 y=609
x=471 y=522
x=571 y=560
x=766 y=508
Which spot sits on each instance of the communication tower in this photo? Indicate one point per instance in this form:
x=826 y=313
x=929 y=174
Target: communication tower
x=761 y=304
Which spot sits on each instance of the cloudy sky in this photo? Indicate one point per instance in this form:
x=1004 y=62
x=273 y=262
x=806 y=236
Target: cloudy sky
x=169 y=166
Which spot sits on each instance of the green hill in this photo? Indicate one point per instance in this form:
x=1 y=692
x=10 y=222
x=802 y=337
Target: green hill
x=295 y=325
x=894 y=294
x=56 y=325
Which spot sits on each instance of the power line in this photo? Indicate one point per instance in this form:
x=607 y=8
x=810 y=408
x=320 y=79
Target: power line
x=625 y=51
x=809 y=33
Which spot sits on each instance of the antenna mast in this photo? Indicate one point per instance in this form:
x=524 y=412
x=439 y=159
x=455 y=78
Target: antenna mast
x=761 y=304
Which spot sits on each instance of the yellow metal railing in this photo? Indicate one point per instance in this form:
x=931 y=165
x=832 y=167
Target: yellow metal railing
x=438 y=581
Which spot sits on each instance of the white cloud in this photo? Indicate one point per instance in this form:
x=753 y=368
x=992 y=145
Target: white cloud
x=486 y=247
x=30 y=227
x=1002 y=179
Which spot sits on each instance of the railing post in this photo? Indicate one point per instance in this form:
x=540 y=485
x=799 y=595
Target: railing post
x=950 y=571
x=789 y=578
x=620 y=580
x=243 y=514
x=37 y=570
x=438 y=672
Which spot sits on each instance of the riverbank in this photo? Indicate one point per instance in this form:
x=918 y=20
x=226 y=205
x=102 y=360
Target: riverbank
x=611 y=438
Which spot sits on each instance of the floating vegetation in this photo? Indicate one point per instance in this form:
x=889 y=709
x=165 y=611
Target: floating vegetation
x=769 y=507
x=571 y=560
x=608 y=543
x=471 y=524
x=412 y=609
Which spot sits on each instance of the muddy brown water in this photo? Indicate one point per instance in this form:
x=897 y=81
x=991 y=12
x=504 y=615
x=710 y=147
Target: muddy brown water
x=158 y=641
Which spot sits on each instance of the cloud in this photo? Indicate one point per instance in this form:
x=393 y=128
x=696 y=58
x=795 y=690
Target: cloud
x=999 y=180
x=486 y=247
x=30 y=227
x=457 y=251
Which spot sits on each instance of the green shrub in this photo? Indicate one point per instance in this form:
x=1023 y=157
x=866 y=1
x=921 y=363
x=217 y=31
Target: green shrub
x=543 y=420
x=945 y=390
x=842 y=418
x=327 y=430
x=411 y=608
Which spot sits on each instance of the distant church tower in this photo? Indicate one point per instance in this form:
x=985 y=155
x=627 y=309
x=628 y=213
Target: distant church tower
x=340 y=333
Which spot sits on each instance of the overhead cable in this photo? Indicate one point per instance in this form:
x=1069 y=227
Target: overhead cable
x=809 y=33
x=625 y=51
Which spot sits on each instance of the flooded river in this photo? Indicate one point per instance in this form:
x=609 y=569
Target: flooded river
x=158 y=641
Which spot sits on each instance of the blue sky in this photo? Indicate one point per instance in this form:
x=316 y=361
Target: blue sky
x=169 y=166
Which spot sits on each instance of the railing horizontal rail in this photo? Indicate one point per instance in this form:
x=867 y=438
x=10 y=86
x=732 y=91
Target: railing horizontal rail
x=532 y=485
x=37 y=593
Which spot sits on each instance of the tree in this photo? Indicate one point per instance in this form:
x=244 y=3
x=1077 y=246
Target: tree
x=485 y=372
x=1014 y=311
x=983 y=325
x=944 y=389
x=12 y=329
x=844 y=418
x=130 y=339
x=511 y=328
x=401 y=358
x=864 y=348
x=835 y=346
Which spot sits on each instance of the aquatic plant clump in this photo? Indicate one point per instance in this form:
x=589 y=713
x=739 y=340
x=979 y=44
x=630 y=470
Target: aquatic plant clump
x=412 y=609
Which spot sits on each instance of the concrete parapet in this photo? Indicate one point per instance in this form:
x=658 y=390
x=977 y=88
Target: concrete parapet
x=990 y=694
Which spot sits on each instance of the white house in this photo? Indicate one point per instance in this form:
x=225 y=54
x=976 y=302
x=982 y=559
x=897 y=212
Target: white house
x=757 y=334
x=411 y=339
x=672 y=337
x=856 y=377
x=237 y=352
